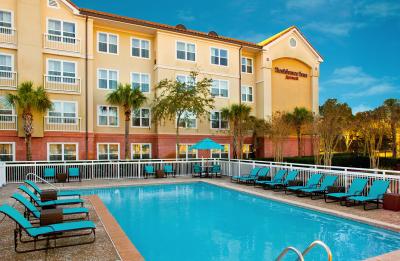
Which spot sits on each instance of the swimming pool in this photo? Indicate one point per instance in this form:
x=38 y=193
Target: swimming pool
x=199 y=221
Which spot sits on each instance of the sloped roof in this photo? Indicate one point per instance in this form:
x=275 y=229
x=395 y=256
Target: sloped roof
x=275 y=36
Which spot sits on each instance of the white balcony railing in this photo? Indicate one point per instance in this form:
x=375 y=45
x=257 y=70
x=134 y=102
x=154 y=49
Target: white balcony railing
x=8 y=35
x=61 y=43
x=8 y=122
x=54 y=83
x=52 y=123
x=8 y=80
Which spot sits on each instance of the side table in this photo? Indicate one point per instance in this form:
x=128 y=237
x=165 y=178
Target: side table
x=391 y=201
x=51 y=216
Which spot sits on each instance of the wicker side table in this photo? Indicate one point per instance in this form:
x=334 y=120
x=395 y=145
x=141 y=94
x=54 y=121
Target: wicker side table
x=51 y=216
x=391 y=201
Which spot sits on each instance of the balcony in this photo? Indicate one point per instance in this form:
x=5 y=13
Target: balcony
x=61 y=43
x=8 y=122
x=8 y=36
x=68 y=124
x=8 y=80
x=54 y=83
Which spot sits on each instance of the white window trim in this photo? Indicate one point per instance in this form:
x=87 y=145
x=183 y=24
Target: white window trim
x=12 y=17
x=63 y=101
x=108 y=34
x=12 y=60
x=12 y=147
x=219 y=88
x=252 y=94
x=227 y=56
x=190 y=128
x=141 y=39
x=142 y=127
x=62 y=149
x=219 y=121
x=62 y=26
x=54 y=7
x=97 y=78
x=220 y=151
x=140 y=77
x=252 y=65
x=185 y=60
x=108 y=154
x=62 y=67
x=141 y=143
x=187 y=150
x=98 y=116
x=14 y=113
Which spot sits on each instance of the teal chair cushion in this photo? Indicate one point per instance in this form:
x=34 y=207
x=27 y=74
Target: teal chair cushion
x=168 y=169
x=49 y=173
x=73 y=172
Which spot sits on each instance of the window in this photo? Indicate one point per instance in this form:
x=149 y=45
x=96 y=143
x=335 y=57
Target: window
x=108 y=43
x=188 y=120
x=247 y=65
x=247 y=150
x=5 y=22
x=141 y=81
x=184 y=152
x=7 y=111
x=141 y=118
x=107 y=151
x=219 y=56
x=220 y=88
x=107 y=116
x=140 y=48
x=61 y=31
x=141 y=151
x=7 y=151
x=61 y=71
x=221 y=154
x=188 y=80
x=217 y=122
x=63 y=112
x=62 y=151
x=107 y=79
x=292 y=42
x=247 y=93
x=6 y=66
x=185 y=51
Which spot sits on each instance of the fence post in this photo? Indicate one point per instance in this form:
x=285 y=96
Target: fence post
x=345 y=179
x=239 y=167
x=2 y=174
x=118 y=165
x=139 y=172
x=229 y=167
x=91 y=169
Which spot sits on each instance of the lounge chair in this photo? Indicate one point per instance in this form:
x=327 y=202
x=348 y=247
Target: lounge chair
x=149 y=170
x=356 y=188
x=279 y=176
x=312 y=182
x=49 y=173
x=262 y=173
x=42 y=204
x=74 y=173
x=59 y=193
x=216 y=170
x=375 y=194
x=253 y=173
x=32 y=209
x=48 y=232
x=322 y=189
x=276 y=186
x=168 y=170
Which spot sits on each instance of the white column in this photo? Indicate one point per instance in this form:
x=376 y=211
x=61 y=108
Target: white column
x=2 y=174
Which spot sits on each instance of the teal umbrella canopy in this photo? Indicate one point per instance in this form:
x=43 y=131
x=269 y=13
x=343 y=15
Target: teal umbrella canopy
x=206 y=144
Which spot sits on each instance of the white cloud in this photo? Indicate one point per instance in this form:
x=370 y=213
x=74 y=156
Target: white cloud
x=333 y=29
x=186 y=15
x=361 y=108
x=381 y=9
x=373 y=90
x=351 y=75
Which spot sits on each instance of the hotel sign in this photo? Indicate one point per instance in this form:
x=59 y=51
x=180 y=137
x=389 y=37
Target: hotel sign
x=290 y=75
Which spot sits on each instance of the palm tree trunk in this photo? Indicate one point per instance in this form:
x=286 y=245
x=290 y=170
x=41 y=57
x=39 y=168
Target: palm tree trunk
x=127 y=120
x=298 y=132
x=235 y=145
x=28 y=121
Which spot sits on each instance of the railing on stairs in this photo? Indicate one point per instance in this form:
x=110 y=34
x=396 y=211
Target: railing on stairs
x=36 y=178
x=306 y=251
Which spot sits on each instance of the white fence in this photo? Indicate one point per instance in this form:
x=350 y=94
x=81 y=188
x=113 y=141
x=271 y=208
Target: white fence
x=15 y=172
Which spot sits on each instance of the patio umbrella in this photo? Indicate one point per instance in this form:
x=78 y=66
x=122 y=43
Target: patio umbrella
x=206 y=144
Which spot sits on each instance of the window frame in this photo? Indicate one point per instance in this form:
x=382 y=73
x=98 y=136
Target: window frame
x=12 y=65
x=62 y=71
x=13 y=112
x=247 y=94
x=98 y=116
x=63 y=117
x=187 y=150
x=141 y=125
x=219 y=89
x=62 y=31
x=62 y=150
x=12 y=28
x=186 y=52
x=108 y=71
x=140 y=49
x=246 y=65
x=140 y=78
x=219 y=56
x=219 y=121
x=12 y=143
x=108 y=42
x=141 y=150
x=108 y=150
x=214 y=151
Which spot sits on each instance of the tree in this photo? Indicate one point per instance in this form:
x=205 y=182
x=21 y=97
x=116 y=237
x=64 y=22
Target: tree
x=178 y=100
x=237 y=115
x=256 y=128
x=392 y=111
x=334 y=120
x=129 y=99
x=299 y=118
x=28 y=99
x=278 y=132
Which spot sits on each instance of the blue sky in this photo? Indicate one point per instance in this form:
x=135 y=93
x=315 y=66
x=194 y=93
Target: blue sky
x=359 y=39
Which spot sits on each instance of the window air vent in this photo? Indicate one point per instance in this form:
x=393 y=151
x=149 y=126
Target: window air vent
x=181 y=27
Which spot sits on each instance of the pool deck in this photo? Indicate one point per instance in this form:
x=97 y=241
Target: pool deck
x=112 y=243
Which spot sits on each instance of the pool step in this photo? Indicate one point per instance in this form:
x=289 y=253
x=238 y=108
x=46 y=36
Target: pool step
x=301 y=255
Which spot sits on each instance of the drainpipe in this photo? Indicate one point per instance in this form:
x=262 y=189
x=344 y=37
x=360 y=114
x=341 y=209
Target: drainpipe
x=240 y=74
x=86 y=92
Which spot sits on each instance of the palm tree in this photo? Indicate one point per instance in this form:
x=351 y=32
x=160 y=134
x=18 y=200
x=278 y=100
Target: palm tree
x=392 y=109
x=298 y=118
x=28 y=100
x=237 y=114
x=129 y=99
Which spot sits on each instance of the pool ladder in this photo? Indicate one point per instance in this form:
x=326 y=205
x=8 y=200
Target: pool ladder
x=301 y=255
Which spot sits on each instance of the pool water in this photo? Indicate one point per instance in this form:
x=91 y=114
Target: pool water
x=199 y=221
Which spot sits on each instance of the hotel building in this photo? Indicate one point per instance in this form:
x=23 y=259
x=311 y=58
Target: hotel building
x=80 y=55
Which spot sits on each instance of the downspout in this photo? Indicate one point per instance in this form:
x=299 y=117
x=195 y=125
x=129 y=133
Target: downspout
x=86 y=92
x=240 y=74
